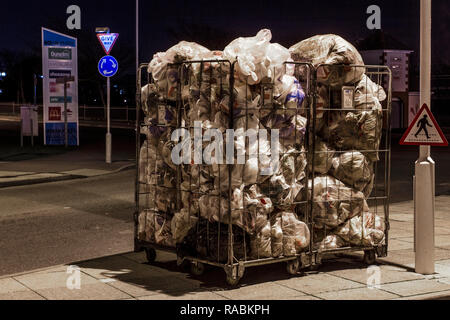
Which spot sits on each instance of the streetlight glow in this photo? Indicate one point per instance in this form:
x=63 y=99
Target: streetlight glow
x=102 y=30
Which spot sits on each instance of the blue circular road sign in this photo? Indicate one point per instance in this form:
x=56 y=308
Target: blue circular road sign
x=108 y=66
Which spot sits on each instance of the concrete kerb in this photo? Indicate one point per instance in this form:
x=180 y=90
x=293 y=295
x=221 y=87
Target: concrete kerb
x=61 y=177
x=25 y=182
x=40 y=270
x=44 y=269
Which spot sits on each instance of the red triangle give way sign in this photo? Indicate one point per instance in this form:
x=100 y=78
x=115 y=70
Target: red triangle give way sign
x=424 y=131
x=107 y=40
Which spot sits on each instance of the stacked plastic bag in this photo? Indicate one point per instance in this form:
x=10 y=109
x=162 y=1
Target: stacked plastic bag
x=345 y=146
x=263 y=204
x=326 y=53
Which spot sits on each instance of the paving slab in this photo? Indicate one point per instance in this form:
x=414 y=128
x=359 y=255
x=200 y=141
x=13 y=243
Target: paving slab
x=401 y=217
x=407 y=257
x=10 y=285
x=117 y=267
x=400 y=244
x=415 y=287
x=197 y=295
x=440 y=240
x=443 y=230
x=161 y=256
x=319 y=283
x=388 y=274
x=445 y=278
x=430 y=296
x=155 y=285
x=397 y=233
x=265 y=291
x=442 y=269
x=445 y=262
x=95 y=291
x=139 y=257
x=305 y=298
x=11 y=289
x=42 y=281
x=20 y=296
x=358 y=294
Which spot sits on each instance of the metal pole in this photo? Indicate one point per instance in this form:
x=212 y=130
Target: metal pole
x=137 y=35
x=108 y=119
x=425 y=166
x=32 y=131
x=21 y=133
x=66 y=133
x=35 y=88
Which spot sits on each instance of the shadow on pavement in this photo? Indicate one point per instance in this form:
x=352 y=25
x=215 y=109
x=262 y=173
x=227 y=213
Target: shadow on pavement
x=165 y=277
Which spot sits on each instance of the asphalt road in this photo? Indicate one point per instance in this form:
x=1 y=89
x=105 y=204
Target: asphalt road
x=62 y=222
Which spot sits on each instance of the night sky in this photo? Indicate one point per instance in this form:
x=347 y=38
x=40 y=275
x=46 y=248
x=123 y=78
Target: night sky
x=290 y=21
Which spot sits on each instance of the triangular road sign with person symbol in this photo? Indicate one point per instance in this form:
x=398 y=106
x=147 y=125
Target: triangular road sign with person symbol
x=424 y=131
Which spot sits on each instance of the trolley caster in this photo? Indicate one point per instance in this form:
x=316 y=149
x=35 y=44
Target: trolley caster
x=370 y=257
x=293 y=267
x=151 y=254
x=197 y=268
x=183 y=264
x=314 y=267
x=233 y=282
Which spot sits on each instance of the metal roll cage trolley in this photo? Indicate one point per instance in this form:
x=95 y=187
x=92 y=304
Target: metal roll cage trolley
x=221 y=242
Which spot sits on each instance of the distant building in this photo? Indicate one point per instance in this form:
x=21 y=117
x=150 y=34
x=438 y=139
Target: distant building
x=402 y=99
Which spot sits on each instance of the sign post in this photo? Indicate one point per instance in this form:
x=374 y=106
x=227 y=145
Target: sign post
x=108 y=67
x=108 y=125
x=425 y=166
x=424 y=132
x=65 y=81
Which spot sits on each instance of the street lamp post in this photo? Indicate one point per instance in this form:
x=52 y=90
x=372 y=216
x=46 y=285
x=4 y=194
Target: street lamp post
x=424 y=181
x=137 y=34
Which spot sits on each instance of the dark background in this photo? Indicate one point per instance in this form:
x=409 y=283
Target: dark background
x=211 y=23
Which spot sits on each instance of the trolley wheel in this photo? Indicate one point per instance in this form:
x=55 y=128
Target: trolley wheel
x=197 y=268
x=151 y=254
x=183 y=264
x=233 y=282
x=293 y=267
x=370 y=257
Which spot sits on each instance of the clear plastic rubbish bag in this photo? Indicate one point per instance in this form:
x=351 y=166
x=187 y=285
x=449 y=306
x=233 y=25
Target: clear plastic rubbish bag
x=333 y=51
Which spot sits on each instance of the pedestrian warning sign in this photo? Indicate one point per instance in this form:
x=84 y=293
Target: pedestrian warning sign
x=424 y=131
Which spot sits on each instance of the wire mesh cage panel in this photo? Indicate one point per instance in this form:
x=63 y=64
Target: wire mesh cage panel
x=351 y=167
x=156 y=177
